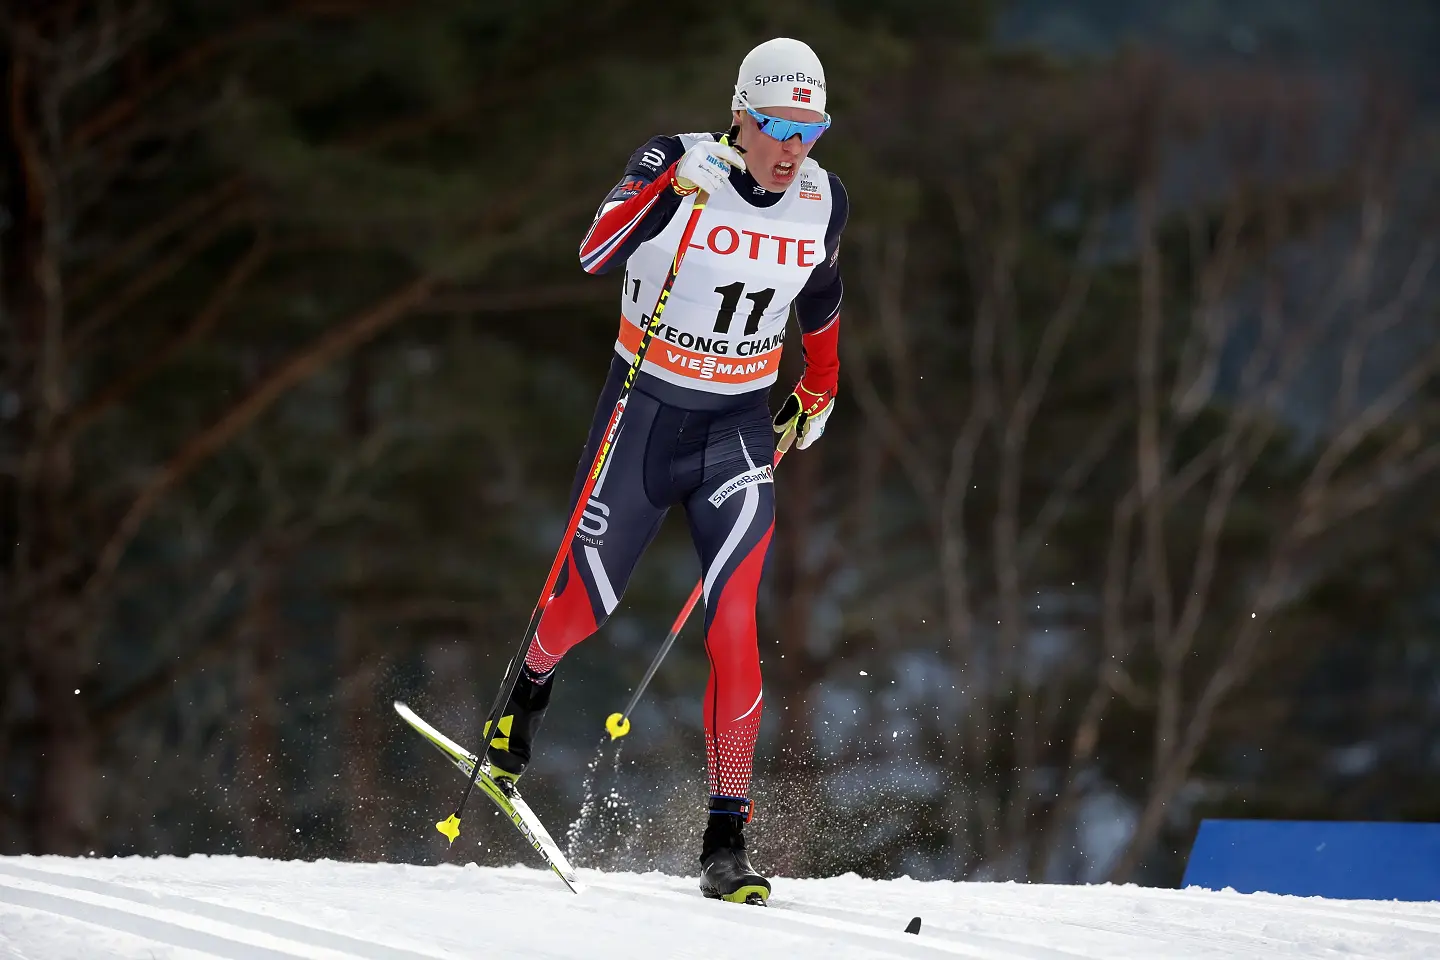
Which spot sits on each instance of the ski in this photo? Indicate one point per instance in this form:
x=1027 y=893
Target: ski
x=511 y=803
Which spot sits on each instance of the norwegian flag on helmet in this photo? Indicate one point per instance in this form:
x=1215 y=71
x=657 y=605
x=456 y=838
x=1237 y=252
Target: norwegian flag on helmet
x=801 y=95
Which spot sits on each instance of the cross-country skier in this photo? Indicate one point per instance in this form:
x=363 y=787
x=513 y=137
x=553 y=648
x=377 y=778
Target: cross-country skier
x=697 y=431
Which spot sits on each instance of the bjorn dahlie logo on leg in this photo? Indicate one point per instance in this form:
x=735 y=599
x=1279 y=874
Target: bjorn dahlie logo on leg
x=593 y=523
x=734 y=485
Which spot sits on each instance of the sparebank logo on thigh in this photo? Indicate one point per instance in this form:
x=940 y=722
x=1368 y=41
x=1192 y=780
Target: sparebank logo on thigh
x=765 y=474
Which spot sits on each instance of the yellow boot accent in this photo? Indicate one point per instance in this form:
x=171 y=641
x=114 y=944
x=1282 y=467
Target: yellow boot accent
x=501 y=742
x=744 y=894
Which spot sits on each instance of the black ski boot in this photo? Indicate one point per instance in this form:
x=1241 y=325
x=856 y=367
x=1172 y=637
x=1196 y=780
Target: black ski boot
x=509 y=751
x=725 y=870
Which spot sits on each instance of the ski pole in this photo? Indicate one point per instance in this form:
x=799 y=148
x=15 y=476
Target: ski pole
x=450 y=826
x=618 y=724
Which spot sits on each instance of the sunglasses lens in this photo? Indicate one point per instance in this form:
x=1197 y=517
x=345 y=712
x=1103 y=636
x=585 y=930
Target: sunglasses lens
x=783 y=130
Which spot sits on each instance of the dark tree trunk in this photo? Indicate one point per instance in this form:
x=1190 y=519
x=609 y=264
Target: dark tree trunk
x=53 y=649
x=364 y=798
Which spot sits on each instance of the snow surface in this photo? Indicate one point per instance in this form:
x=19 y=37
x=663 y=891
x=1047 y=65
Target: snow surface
x=196 y=908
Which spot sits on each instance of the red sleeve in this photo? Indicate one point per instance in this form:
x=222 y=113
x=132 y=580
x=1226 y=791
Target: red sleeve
x=821 y=349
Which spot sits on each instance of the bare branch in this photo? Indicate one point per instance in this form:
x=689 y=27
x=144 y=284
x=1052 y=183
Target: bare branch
x=196 y=56
x=188 y=655
x=204 y=204
x=891 y=425
x=1212 y=321
x=1367 y=495
x=1375 y=324
x=1063 y=492
x=1354 y=433
x=198 y=448
x=1006 y=525
x=287 y=522
x=1150 y=457
x=126 y=384
x=1116 y=644
x=156 y=274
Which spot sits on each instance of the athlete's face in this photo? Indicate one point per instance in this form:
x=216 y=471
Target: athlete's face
x=774 y=164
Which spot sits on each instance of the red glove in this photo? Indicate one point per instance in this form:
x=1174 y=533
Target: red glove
x=803 y=414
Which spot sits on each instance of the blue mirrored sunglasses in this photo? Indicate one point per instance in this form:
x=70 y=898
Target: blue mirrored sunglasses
x=782 y=130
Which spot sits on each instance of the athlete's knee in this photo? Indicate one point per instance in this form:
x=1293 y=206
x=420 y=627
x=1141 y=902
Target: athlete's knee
x=569 y=618
x=735 y=597
x=558 y=633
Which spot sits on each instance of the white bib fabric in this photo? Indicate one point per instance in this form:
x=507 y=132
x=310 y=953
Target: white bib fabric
x=723 y=329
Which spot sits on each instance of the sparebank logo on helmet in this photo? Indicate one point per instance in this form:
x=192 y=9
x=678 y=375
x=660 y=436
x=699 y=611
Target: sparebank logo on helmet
x=761 y=80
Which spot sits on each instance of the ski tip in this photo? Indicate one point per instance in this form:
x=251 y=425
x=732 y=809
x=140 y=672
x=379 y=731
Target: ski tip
x=913 y=926
x=450 y=826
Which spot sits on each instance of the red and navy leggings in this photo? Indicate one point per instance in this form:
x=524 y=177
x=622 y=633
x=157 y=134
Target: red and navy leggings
x=717 y=465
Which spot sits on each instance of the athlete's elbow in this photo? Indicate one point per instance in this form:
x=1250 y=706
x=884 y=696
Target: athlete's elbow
x=598 y=265
x=590 y=262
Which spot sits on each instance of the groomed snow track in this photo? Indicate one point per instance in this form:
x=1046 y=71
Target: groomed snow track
x=168 y=908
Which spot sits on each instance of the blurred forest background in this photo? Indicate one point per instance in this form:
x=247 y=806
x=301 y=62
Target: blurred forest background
x=1129 y=513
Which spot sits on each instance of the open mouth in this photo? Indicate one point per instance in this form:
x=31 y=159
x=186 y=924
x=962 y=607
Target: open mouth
x=784 y=171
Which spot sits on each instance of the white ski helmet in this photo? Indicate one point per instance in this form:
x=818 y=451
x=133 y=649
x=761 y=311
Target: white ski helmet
x=780 y=73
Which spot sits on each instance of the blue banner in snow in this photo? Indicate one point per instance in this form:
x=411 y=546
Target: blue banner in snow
x=1340 y=859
